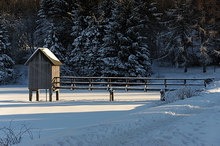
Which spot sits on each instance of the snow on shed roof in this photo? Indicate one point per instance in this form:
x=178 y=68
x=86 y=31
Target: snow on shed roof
x=48 y=54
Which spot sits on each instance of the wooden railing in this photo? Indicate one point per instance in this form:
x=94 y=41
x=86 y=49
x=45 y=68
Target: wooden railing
x=123 y=83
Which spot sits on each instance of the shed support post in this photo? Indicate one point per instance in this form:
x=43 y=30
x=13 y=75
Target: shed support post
x=30 y=95
x=50 y=94
x=57 y=95
x=111 y=95
x=37 y=95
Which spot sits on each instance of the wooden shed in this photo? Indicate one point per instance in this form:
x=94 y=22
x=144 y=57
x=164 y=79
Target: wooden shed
x=43 y=66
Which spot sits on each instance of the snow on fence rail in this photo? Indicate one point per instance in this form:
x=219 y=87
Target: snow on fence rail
x=121 y=83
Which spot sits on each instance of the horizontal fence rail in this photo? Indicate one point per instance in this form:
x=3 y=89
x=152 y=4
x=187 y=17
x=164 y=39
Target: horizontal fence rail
x=123 y=83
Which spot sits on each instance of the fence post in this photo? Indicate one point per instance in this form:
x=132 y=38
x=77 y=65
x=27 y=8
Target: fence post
x=162 y=95
x=145 y=87
x=127 y=85
x=109 y=85
x=90 y=84
x=165 y=83
x=111 y=95
x=73 y=83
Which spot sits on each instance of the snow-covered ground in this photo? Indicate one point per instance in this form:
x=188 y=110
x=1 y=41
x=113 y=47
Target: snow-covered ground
x=87 y=118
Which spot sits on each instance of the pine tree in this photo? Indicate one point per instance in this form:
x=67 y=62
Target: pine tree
x=75 y=59
x=6 y=62
x=214 y=42
x=106 y=7
x=53 y=43
x=180 y=32
x=192 y=32
x=210 y=32
x=205 y=29
x=85 y=53
x=86 y=33
x=150 y=17
x=53 y=25
x=125 y=52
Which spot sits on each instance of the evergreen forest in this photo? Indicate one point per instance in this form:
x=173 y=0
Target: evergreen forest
x=110 y=37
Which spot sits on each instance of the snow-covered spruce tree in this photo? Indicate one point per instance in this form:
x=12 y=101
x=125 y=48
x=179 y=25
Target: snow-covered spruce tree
x=86 y=57
x=86 y=33
x=52 y=42
x=43 y=23
x=124 y=51
x=108 y=52
x=150 y=17
x=75 y=59
x=6 y=62
x=53 y=24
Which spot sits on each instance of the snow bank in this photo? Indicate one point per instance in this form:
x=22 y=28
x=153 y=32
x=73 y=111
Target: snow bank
x=193 y=121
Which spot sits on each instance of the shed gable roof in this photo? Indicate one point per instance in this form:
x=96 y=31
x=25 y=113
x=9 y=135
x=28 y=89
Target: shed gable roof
x=53 y=59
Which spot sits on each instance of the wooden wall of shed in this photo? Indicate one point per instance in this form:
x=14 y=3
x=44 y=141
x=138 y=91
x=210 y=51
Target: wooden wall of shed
x=39 y=72
x=56 y=73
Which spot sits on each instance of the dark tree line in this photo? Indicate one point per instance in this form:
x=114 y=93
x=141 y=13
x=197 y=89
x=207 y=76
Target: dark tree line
x=114 y=37
x=192 y=36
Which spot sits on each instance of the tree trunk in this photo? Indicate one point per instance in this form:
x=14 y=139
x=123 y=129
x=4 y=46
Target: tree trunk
x=185 y=68
x=204 y=68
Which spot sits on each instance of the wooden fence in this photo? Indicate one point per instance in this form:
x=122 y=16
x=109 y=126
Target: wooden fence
x=122 y=83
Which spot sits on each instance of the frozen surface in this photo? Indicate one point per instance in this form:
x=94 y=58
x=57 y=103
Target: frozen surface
x=87 y=118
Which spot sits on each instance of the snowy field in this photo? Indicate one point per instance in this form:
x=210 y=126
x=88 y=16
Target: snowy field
x=87 y=118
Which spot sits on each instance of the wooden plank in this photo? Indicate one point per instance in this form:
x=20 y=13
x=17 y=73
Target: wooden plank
x=112 y=88
x=130 y=78
x=122 y=83
x=195 y=85
x=82 y=88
